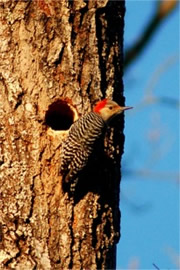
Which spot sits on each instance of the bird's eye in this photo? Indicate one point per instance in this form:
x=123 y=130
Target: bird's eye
x=110 y=107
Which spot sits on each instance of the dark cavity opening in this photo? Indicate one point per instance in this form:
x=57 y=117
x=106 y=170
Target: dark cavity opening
x=59 y=115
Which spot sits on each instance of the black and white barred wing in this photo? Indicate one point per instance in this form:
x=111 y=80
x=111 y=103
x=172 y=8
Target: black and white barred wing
x=79 y=144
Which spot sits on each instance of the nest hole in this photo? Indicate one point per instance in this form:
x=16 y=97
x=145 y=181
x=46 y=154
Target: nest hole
x=60 y=115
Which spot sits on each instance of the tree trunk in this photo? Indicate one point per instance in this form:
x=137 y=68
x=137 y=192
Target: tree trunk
x=57 y=58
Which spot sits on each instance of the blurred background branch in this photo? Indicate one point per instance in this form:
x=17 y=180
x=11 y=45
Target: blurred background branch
x=162 y=10
x=150 y=174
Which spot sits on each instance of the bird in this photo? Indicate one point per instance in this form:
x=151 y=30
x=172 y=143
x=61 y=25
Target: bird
x=83 y=134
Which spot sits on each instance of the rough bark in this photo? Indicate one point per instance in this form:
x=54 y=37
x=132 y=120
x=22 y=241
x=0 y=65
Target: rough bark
x=57 y=58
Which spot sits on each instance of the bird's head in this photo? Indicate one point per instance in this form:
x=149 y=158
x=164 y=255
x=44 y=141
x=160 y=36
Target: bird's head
x=107 y=109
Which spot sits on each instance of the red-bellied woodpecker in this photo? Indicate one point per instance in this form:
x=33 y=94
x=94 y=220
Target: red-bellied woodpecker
x=83 y=134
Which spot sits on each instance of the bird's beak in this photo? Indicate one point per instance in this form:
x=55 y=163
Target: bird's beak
x=119 y=109
x=126 y=108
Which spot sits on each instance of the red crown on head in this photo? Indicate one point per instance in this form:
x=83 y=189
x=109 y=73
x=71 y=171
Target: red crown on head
x=100 y=105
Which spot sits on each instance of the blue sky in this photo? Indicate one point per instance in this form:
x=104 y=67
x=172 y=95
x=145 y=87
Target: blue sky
x=150 y=197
